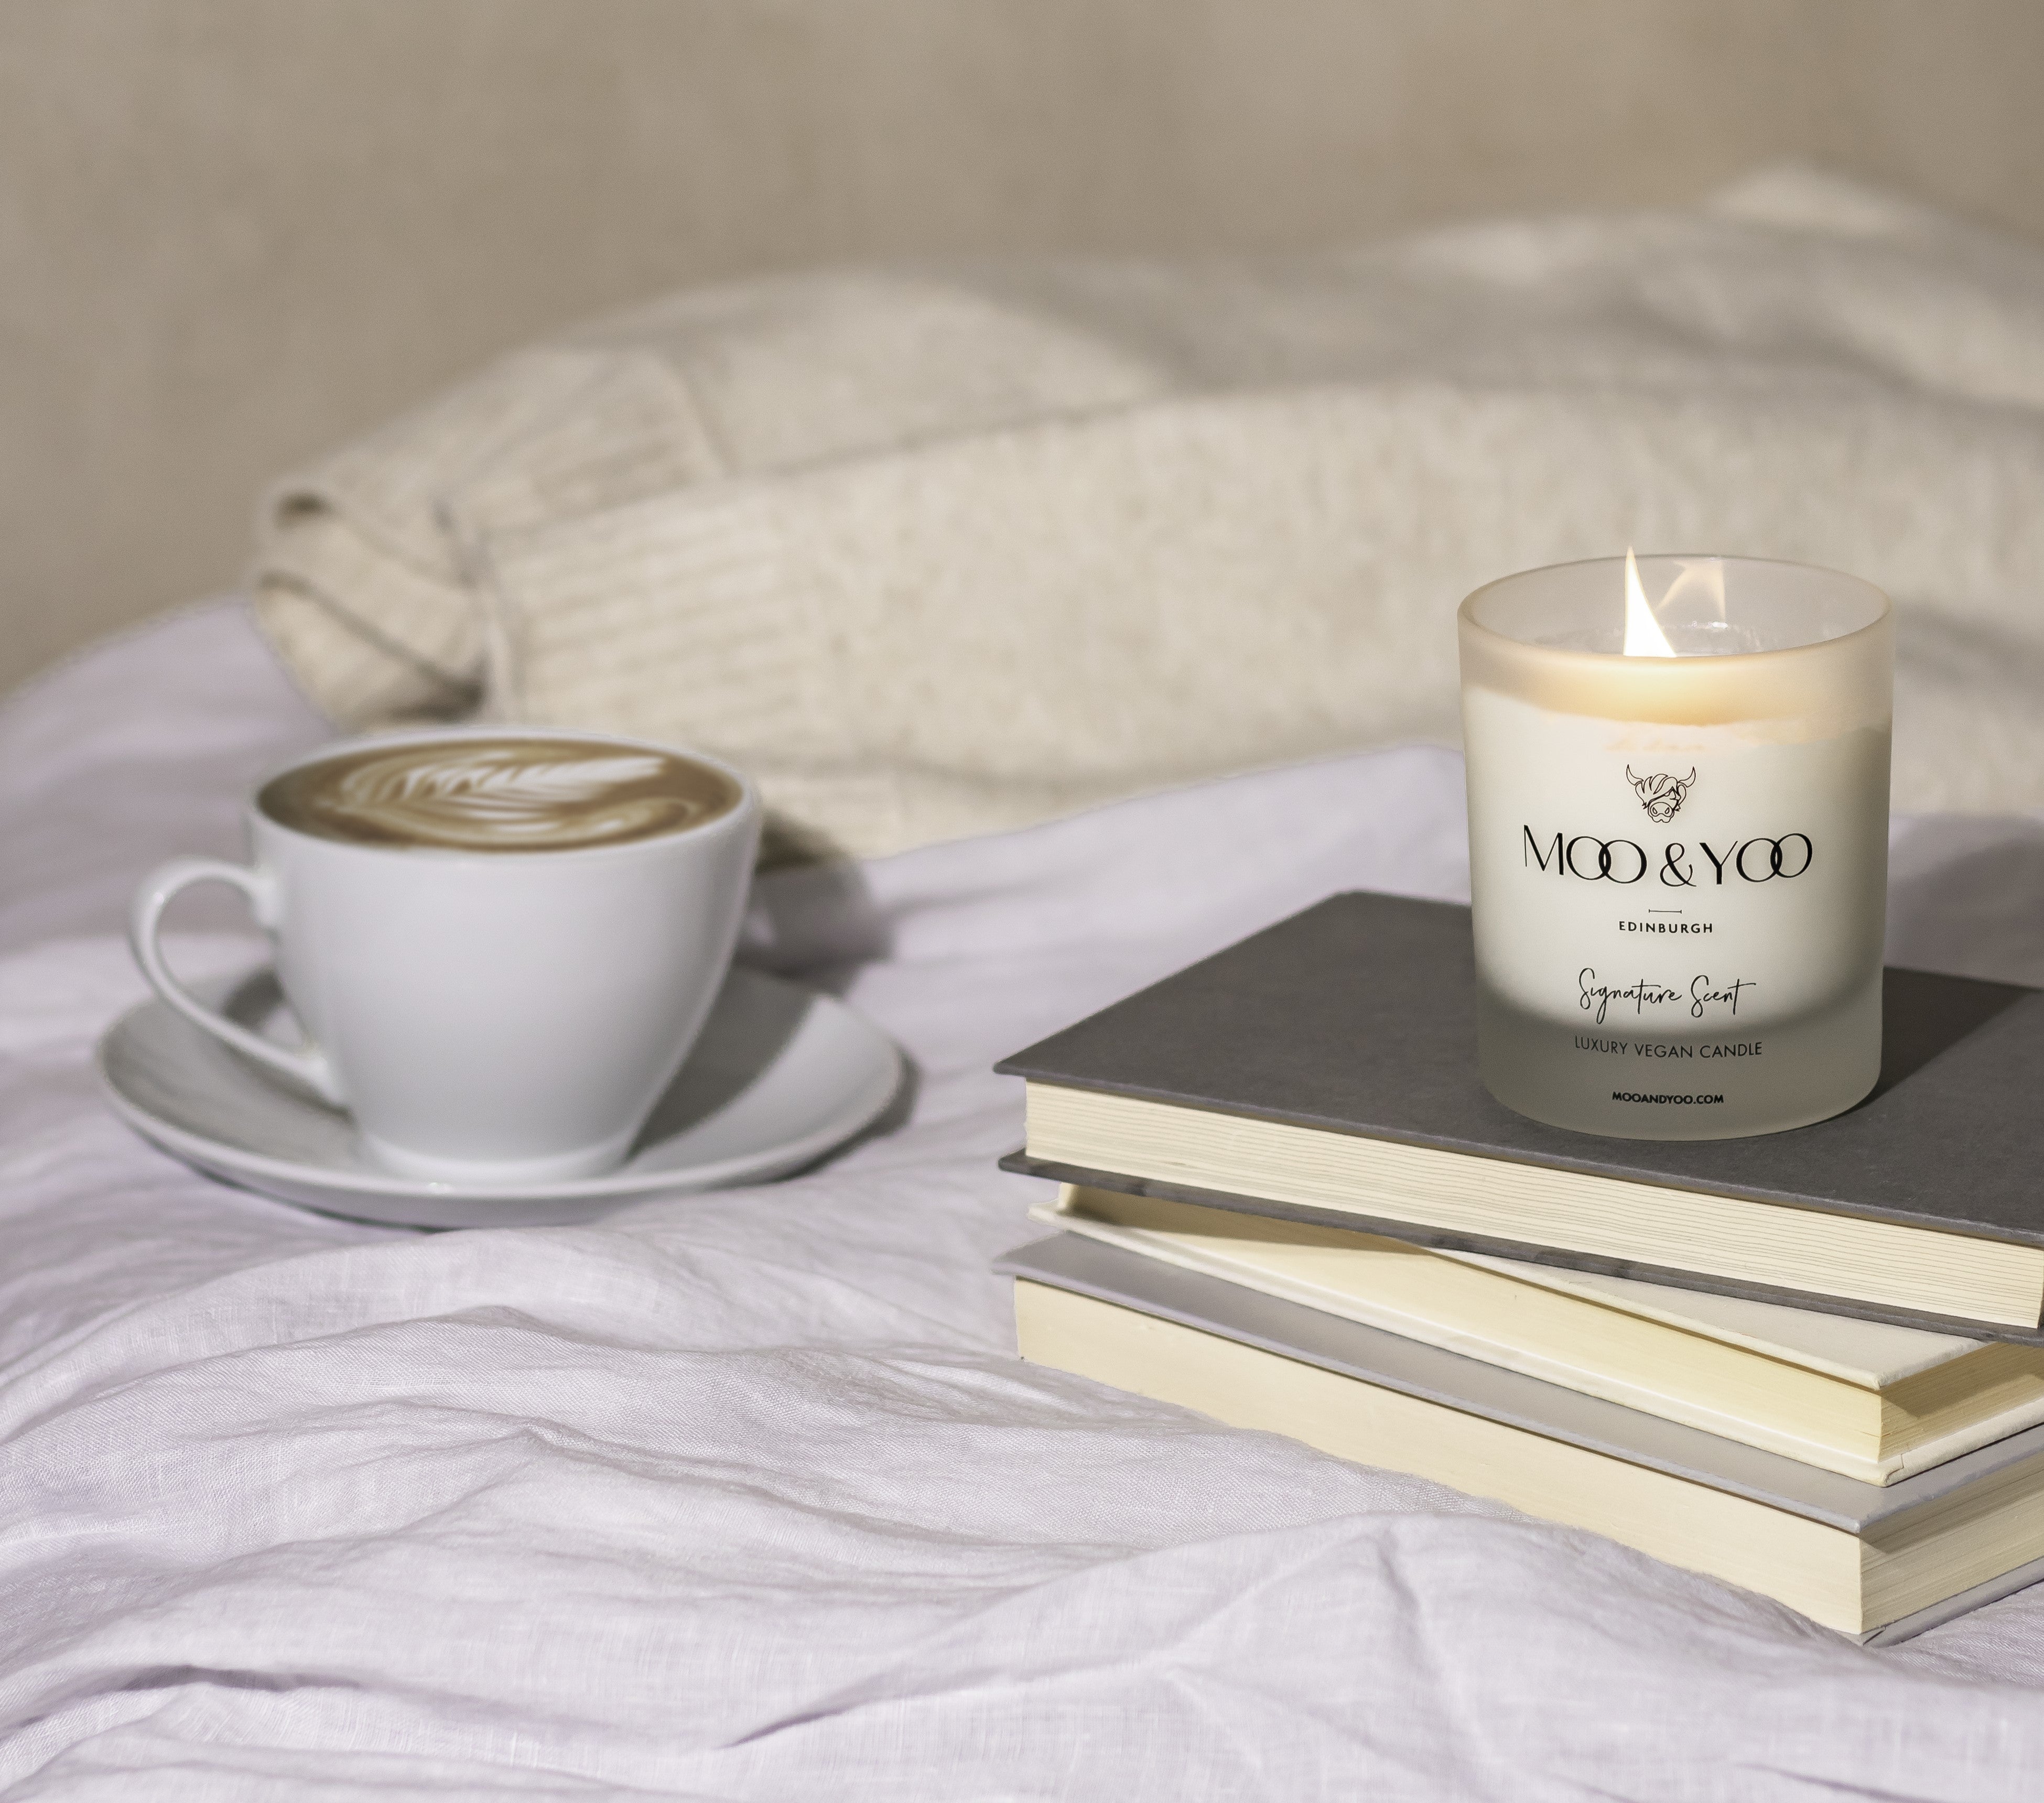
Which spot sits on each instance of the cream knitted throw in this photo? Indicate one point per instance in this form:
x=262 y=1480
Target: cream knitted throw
x=934 y=552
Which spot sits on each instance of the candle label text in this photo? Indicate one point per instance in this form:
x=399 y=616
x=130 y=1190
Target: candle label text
x=1703 y=993
x=1590 y=859
x=1654 y=1049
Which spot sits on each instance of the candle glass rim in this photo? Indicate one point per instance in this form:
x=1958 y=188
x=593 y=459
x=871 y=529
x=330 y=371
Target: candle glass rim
x=1879 y=621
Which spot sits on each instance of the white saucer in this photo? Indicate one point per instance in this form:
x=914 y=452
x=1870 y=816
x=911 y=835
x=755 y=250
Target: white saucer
x=780 y=1076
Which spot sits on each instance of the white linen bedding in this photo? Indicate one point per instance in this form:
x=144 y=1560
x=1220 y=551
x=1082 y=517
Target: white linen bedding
x=745 y=1495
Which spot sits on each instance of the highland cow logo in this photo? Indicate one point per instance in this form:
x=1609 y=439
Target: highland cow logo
x=1660 y=795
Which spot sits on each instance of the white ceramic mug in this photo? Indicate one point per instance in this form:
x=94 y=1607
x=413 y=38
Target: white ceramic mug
x=485 y=1016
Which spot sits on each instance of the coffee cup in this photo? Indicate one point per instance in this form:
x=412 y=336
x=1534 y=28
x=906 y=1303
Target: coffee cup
x=501 y=943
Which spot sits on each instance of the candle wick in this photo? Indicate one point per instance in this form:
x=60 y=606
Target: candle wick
x=1643 y=636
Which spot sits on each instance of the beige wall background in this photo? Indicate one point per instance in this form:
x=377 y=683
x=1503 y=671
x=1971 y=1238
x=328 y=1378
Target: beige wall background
x=235 y=232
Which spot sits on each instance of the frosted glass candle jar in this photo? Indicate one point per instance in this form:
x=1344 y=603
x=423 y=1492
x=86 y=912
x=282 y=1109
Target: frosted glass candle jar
x=1678 y=841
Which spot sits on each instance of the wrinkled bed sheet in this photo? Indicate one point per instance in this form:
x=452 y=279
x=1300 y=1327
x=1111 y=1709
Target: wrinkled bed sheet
x=745 y=1495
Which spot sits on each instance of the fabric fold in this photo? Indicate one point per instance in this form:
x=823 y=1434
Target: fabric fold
x=942 y=550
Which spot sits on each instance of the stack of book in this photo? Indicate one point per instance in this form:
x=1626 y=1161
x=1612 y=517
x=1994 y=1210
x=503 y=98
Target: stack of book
x=1809 y=1363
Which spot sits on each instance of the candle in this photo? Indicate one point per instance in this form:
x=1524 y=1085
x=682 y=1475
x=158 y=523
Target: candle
x=1678 y=775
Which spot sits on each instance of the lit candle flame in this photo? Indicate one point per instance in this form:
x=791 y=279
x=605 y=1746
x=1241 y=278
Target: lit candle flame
x=1643 y=636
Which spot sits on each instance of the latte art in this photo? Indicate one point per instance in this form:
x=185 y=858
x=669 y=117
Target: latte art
x=494 y=796
x=500 y=794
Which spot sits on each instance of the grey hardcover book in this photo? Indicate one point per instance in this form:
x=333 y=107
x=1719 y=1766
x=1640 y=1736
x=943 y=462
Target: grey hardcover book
x=1904 y=1512
x=1351 y=1026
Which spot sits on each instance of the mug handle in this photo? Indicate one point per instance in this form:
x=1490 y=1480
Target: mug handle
x=308 y=1064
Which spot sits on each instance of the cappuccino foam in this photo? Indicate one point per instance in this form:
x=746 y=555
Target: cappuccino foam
x=508 y=794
